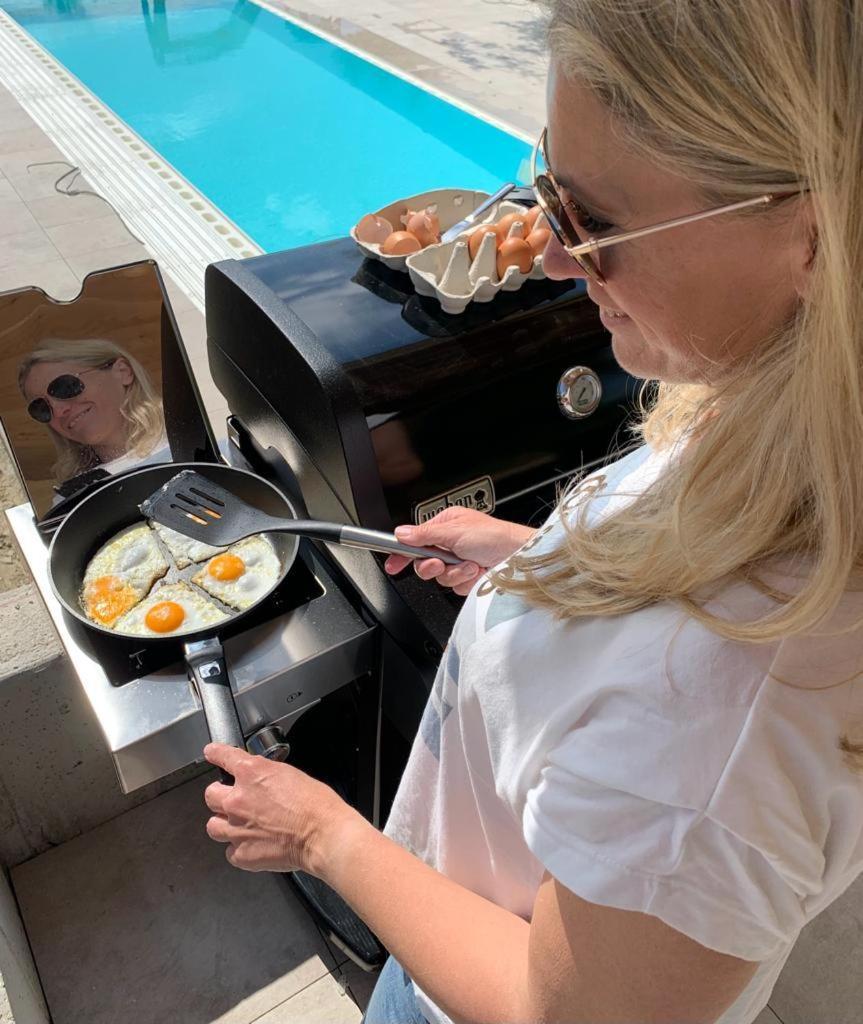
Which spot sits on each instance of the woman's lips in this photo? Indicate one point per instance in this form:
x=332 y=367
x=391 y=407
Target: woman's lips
x=607 y=314
x=72 y=423
x=612 y=317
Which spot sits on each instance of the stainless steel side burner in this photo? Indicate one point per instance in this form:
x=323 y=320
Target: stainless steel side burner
x=154 y=724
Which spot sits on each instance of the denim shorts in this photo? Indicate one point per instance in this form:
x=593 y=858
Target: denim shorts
x=393 y=1000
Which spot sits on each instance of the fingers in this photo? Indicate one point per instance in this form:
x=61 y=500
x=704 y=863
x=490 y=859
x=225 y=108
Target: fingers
x=219 y=829
x=431 y=532
x=458 y=576
x=395 y=563
x=214 y=796
x=224 y=756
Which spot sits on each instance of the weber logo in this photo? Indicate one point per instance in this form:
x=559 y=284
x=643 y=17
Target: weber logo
x=478 y=494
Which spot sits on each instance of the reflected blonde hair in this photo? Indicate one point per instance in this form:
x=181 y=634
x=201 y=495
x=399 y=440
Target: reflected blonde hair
x=141 y=409
x=745 y=99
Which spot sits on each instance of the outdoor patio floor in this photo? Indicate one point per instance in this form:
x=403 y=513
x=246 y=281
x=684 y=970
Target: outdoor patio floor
x=141 y=919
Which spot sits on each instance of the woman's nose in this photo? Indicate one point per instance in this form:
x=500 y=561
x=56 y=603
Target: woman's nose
x=60 y=411
x=558 y=264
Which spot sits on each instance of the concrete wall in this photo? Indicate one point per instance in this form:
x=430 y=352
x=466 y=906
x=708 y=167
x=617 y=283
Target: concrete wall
x=21 y=999
x=57 y=778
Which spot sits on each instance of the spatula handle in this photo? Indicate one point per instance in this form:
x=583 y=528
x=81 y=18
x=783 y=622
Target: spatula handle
x=377 y=540
x=352 y=536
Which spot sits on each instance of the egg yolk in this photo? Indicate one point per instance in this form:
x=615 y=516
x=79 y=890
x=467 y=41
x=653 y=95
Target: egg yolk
x=226 y=567
x=107 y=598
x=165 y=617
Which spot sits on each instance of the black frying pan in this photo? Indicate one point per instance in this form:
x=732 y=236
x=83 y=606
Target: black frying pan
x=113 y=507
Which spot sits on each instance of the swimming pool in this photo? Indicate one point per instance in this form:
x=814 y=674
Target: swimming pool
x=294 y=138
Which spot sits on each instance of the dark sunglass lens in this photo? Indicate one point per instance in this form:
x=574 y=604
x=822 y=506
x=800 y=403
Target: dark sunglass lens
x=40 y=410
x=555 y=212
x=66 y=386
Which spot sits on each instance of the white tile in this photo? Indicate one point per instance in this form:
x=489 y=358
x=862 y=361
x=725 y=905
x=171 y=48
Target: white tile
x=359 y=983
x=106 y=231
x=143 y=920
x=51 y=211
x=53 y=277
x=33 y=172
x=102 y=259
x=28 y=248
x=26 y=136
x=15 y=218
x=13 y=116
x=324 y=1002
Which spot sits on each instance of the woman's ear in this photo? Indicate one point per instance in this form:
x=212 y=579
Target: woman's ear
x=804 y=245
x=123 y=372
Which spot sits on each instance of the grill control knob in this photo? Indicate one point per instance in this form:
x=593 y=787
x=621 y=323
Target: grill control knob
x=270 y=742
x=578 y=392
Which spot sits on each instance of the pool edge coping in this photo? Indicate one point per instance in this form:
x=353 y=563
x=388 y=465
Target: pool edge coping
x=309 y=22
x=142 y=187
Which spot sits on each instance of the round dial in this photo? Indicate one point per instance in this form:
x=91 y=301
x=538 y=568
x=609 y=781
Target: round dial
x=578 y=392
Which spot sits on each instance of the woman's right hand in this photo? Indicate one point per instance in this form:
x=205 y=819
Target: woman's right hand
x=480 y=539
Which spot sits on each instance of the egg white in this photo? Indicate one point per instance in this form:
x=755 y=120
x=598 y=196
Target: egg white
x=132 y=556
x=199 y=612
x=184 y=549
x=263 y=569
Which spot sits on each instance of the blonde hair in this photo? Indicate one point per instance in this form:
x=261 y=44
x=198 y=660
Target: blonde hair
x=743 y=98
x=141 y=409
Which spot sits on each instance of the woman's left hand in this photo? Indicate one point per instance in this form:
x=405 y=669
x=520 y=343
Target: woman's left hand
x=274 y=817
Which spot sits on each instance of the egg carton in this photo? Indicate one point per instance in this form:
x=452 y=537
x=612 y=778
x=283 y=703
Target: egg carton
x=446 y=272
x=451 y=205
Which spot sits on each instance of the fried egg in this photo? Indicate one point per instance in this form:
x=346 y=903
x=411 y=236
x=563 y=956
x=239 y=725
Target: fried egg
x=121 y=573
x=173 y=608
x=241 y=575
x=184 y=549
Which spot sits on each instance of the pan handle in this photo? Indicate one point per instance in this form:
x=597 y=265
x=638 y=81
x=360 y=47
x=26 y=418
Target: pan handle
x=205 y=660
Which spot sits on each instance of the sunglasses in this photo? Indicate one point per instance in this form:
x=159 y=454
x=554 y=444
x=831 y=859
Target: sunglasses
x=62 y=389
x=569 y=221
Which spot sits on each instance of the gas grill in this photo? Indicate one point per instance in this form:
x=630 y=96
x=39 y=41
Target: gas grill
x=365 y=404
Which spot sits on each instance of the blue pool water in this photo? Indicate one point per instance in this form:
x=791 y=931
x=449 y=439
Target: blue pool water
x=292 y=137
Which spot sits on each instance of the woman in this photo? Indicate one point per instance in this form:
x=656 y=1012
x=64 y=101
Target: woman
x=638 y=776
x=98 y=403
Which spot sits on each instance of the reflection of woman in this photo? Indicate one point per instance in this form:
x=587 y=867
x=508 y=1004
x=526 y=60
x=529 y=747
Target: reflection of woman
x=634 y=782
x=98 y=403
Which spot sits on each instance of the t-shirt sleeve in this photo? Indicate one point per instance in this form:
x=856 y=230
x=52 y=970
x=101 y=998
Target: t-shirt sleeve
x=619 y=849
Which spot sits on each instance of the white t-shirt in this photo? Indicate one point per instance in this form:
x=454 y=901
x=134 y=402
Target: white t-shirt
x=643 y=761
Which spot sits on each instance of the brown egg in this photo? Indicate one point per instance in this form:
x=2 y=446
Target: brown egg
x=401 y=243
x=505 y=223
x=424 y=229
x=514 y=252
x=538 y=240
x=531 y=216
x=476 y=237
x=372 y=229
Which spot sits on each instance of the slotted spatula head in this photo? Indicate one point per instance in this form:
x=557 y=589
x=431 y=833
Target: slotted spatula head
x=196 y=507
x=193 y=505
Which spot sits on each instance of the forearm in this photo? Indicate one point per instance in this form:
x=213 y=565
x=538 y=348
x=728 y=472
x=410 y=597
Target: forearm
x=469 y=955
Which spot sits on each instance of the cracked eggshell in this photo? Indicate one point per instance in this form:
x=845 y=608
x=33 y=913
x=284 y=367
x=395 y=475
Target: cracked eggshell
x=452 y=205
x=428 y=267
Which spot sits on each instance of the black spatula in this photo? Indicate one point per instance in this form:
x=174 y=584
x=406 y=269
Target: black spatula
x=196 y=507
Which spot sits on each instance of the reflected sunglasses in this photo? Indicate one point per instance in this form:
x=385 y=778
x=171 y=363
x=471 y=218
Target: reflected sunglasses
x=62 y=388
x=565 y=216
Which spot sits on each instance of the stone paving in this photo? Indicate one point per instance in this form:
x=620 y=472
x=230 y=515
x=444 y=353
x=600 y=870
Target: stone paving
x=489 y=54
